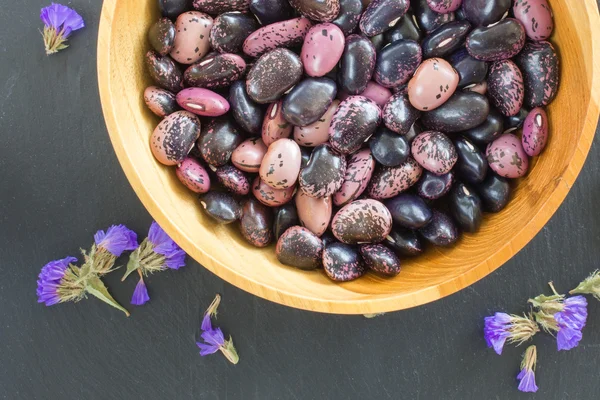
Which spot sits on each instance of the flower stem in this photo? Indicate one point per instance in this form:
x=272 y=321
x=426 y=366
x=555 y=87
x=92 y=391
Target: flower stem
x=551 y=284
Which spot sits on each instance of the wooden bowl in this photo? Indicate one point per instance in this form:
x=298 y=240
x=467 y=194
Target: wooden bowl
x=573 y=116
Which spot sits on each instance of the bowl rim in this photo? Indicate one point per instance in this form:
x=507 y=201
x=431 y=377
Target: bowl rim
x=391 y=302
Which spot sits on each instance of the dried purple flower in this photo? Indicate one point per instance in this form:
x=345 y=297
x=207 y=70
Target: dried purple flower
x=61 y=281
x=140 y=294
x=116 y=240
x=50 y=286
x=590 y=285
x=527 y=375
x=156 y=253
x=213 y=337
x=566 y=317
x=59 y=21
x=502 y=327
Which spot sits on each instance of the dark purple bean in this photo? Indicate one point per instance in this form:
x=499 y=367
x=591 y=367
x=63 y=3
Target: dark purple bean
x=161 y=36
x=317 y=10
x=356 y=65
x=485 y=12
x=441 y=231
x=497 y=42
x=470 y=70
x=380 y=259
x=397 y=62
x=164 y=72
x=465 y=207
x=487 y=131
x=299 y=248
x=308 y=101
x=248 y=114
x=445 y=39
x=172 y=8
x=432 y=187
x=495 y=193
x=472 y=164
x=428 y=19
x=273 y=74
x=221 y=207
x=229 y=31
x=382 y=15
x=324 y=173
x=404 y=242
x=464 y=110
x=406 y=29
x=256 y=223
x=349 y=15
x=409 y=211
x=218 y=140
x=398 y=114
x=285 y=217
x=270 y=11
x=342 y=263
x=539 y=64
x=389 y=148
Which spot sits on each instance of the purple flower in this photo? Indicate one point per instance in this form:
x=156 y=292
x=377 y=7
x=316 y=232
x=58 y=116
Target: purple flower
x=62 y=18
x=502 y=327
x=59 y=21
x=140 y=294
x=214 y=340
x=164 y=245
x=116 y=240
x=213 y=337
x=50 y=279
x=527 y=381
x=526 y=377
x=570 y=321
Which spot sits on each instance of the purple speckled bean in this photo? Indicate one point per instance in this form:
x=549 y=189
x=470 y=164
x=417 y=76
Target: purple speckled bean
x=314 y=213
x=539 y=65
x=219 y=139
x=342 y=263
x=444 y=6
x=274 y=126
x=273 y=74
x=229 y=31
x=317 y=10
x=432 y=85
x=161 y=102
x=435 y=152
x=362 y=221
x=324 y=173
x=397 y=62
x=193 y=175
x=496 y=42
x=280 y=34
x=202 y=102
x=323 y=46
x=161 y=36
x=536 y=17
x=299 y=248
x=217 y=71
x=191 y=40
x=382 y=15
x=269 y=196
x=221 y=6
x=164 y=72
x=358 y=174
x=174 y=136
x=354 y=121
x=380 y=259
x=281 y=165
x=535 y=132
x=233 y=180
x=318 y=132
x=505 y=87
x=249 y=154
x=387 y=182
x=398 y=114
x=256 y=223
x=506 y=156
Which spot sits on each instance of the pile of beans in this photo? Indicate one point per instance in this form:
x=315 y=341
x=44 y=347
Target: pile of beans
x=352 y=133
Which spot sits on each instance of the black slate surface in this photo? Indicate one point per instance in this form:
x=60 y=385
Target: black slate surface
x=60 y=181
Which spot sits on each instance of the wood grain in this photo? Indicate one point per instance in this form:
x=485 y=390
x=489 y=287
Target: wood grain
x=440 y=272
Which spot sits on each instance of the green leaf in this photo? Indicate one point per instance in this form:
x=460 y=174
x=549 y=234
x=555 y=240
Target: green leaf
x=133 y=264
x=96 y=288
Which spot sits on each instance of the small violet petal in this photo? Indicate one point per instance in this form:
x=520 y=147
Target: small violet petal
x=527 y=381
x=140 y=294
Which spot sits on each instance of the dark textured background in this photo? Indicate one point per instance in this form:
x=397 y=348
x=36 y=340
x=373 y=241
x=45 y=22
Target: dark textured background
x=60 y=181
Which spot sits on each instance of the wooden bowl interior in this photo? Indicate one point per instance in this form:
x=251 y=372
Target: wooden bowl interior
x=123 y=78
